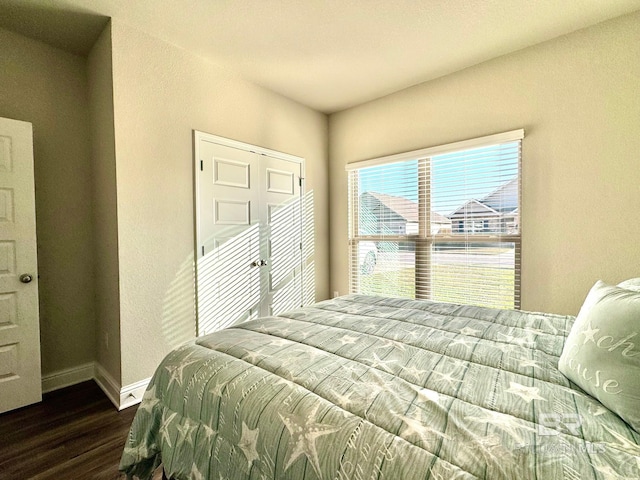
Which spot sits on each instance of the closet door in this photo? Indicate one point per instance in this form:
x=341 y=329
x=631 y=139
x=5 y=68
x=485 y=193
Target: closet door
x=280 y=196
x=229 y=236
x=248 y=232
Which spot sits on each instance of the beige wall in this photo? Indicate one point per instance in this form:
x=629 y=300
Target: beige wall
x=577 y=97
x=162 y=93
x=47 y=87
x=105 y=219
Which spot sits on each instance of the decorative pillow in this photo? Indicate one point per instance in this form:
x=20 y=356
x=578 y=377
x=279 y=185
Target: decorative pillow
x=602 y=352
x=631 y=284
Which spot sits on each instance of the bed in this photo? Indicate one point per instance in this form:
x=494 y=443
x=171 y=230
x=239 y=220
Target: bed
x=362 y=387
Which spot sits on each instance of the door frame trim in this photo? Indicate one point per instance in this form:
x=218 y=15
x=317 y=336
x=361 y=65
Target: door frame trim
x=228 y=142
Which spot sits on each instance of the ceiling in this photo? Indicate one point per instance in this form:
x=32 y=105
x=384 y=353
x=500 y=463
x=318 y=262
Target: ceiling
x=326 y=54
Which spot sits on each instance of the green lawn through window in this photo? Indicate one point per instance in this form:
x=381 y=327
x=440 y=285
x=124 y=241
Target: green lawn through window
x=401 y=283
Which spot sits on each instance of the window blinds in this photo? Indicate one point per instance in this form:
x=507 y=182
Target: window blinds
x=440 y=223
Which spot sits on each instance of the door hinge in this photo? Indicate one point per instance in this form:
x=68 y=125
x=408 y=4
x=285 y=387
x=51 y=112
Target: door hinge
x=300 y=245
x=203 y=250
x=201 y=165
x=300 y=179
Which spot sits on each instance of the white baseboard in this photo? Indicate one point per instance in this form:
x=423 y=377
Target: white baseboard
x=67 y=377
x=132 y=394
x=121 y=397
x=109 y=386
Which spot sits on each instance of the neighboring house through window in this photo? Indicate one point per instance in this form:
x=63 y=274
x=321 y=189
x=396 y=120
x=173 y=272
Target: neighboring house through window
x=497 y=212
x=442 y=223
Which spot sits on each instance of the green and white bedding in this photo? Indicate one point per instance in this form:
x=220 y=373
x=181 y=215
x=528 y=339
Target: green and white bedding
x=360 y=388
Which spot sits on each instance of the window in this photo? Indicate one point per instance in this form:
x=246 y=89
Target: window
x=442 y=223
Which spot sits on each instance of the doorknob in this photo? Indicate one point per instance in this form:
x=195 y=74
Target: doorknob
x=26 y=278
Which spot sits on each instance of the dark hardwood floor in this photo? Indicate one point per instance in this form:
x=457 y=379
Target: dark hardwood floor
x=75 y=433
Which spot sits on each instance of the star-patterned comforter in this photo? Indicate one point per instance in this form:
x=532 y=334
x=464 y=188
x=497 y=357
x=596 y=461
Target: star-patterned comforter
x=359 y=388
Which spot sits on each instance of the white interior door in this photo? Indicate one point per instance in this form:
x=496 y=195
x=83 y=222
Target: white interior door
x=282 y=214
x=248 y=232
x=228 y=211
x=20 y=377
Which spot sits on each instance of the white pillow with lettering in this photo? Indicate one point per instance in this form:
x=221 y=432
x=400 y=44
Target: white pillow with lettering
x=602 y=352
